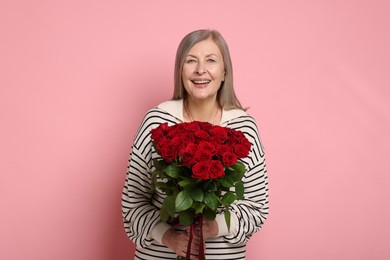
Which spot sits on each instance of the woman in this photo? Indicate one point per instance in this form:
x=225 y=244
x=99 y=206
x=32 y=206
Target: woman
x=203 y=92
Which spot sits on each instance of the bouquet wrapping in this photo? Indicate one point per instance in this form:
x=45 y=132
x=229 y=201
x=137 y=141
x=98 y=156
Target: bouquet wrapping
x=199 y=172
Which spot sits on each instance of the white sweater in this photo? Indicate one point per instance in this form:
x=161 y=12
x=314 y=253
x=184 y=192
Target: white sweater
x=140 y=205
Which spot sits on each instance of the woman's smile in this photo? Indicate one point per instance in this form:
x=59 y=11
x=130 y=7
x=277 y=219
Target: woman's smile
x=200 y=83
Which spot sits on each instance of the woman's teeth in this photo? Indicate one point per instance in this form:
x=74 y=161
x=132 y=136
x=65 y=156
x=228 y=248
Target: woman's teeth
x=201 y=81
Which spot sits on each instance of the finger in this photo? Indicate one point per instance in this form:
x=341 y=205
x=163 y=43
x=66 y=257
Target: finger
x=195 y=243
x=181 y=253
x=184 y=236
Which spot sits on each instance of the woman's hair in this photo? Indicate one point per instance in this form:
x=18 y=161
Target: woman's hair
x=226 y=97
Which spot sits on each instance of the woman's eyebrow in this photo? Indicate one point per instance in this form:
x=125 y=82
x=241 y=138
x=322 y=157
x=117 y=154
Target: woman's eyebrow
x=190 y=55
x=208 y=55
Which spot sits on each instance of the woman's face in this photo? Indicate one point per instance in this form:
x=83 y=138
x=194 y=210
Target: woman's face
x=203 y=70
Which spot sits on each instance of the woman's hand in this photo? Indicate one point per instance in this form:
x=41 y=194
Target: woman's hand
x=210 y=229
x=178 y=242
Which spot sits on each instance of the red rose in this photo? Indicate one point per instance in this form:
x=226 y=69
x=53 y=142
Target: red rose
x=187 y=137
x=172 y=132
x=201 y=170
x=187 y=154
x=168 y=153
x=203 y=155
x=163 y=142
x=223 y=148
x=230 y=140
x=187 y=157
x=229 y=158
x=204 y=145
x=237 y=134
x=245 y=142
x=234 y=137
x=216 y=169
x=163 y=126
x=176 y=141
x=240 y=150
x=201 y=134
x=181 y=127
x=205 y=126
x=191 y=147
x=219 y=132
x=192 y=126
x=157 y=133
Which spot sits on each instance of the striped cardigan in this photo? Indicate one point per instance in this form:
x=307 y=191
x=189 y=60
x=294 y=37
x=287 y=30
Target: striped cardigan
x=140 y=205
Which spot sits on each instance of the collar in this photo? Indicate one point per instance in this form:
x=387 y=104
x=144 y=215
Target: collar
x=175 y=108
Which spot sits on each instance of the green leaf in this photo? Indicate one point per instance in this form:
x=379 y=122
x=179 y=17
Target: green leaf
x=186 y=218
x=239 y=190
x=239 y=167
x=199 y=208
x=172 y=171
x=227 y=219
x=185 y=173
x=209 y=214
x=168 y=208
x=211 y=200
x=165 y=187
x=228 y=198
x=183 y=201
x=186 y=182
x=229 y=170
x=208 y=185
x=227 y=181
x=196 y=194
x=236 y=176
x=236 y=171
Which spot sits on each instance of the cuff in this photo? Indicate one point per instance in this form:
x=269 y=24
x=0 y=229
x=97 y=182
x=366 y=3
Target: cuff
x=159 y=230
x=223 y=228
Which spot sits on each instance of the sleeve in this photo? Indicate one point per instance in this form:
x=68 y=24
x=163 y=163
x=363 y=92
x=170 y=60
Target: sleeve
x=140 y=216
x=248 y=215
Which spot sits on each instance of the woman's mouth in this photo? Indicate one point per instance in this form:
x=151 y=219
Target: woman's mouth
x=201 y=83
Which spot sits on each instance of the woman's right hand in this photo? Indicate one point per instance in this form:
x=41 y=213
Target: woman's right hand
x=177 y=241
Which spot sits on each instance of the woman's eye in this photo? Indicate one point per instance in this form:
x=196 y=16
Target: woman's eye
x=191 y=61
x=211 y=60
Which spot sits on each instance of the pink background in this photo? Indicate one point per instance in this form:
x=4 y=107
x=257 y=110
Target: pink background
x=78 y=76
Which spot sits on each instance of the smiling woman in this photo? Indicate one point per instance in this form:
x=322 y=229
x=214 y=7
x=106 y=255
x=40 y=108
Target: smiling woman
x=203 y=92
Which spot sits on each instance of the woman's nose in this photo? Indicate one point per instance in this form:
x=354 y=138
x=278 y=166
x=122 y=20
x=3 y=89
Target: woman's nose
x=200 y=69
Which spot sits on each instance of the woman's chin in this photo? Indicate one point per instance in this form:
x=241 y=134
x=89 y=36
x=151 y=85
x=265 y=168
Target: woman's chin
x=202 y=97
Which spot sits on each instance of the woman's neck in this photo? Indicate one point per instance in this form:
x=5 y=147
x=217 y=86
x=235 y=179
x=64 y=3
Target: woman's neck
x=202 y=110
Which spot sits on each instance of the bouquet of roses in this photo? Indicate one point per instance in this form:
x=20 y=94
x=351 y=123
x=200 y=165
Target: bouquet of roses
x=199 y=172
